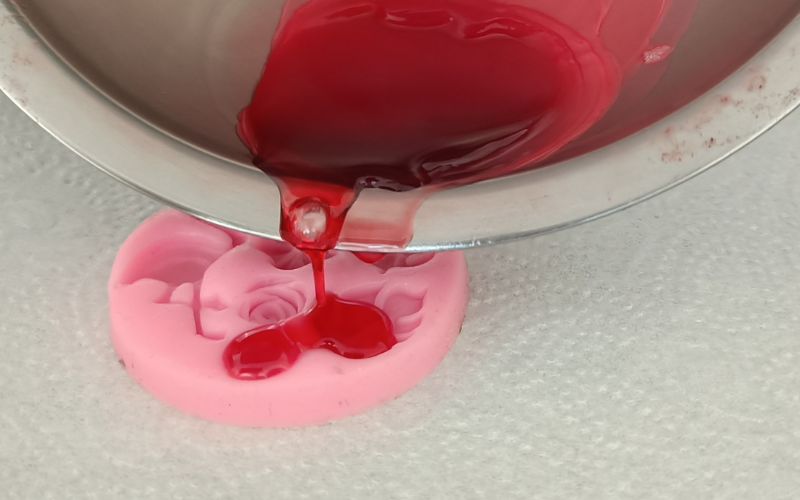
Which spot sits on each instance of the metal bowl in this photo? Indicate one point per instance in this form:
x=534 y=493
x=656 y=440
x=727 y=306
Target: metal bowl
x=148 y=91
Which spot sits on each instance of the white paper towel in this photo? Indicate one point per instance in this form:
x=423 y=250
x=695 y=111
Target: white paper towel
x=654 y=354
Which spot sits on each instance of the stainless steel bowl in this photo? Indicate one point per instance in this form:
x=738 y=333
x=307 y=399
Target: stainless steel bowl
x=148 y=90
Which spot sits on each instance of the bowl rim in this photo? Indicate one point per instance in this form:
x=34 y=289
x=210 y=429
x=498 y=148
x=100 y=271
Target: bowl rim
x=657 y=158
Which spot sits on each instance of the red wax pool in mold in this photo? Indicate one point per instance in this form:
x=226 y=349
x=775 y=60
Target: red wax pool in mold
x=354 y=330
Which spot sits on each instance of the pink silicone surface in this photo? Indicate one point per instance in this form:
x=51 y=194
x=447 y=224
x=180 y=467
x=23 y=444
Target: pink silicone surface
x=181 y=289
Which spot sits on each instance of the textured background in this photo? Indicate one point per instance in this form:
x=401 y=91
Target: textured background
x=654 y=354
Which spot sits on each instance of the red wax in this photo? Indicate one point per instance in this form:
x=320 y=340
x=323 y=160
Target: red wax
x=369 y=257
x=404 y=93
x=350 y=329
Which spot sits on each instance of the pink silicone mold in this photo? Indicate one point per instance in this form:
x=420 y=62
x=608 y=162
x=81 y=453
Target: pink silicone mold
x=182 y=289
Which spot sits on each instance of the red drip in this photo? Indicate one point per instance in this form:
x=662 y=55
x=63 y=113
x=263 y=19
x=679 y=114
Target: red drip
x=318 y=265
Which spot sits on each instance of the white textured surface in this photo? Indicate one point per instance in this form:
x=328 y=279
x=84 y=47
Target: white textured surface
x=654 y=354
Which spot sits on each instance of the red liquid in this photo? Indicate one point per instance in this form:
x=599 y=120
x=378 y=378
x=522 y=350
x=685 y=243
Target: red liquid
x=350 y=329
x=369 y=257
x=401 y=94
x=318 y=266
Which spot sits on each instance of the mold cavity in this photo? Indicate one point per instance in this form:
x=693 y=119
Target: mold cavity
x=270 y=282
x=401 y=303
x=237 y=238
x=283 y=290
x=404 y=260
x=404 y=327
x=173 y=261
x=271 y=311
x=417 y=259
x=184 y=294
x=368 y=294
x=284 y=256
x=269 y=306
x=403 y=307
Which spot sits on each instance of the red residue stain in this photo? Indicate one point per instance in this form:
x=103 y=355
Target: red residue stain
x=758 y=109
x=17 y=86
x=676 y=154
x=710 y=143
x=758 y=82
x=702 y=120
x=726 y=100
x=791 y=96
x=20 y=59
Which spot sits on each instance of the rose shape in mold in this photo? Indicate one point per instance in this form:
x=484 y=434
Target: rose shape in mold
x=182 y=290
